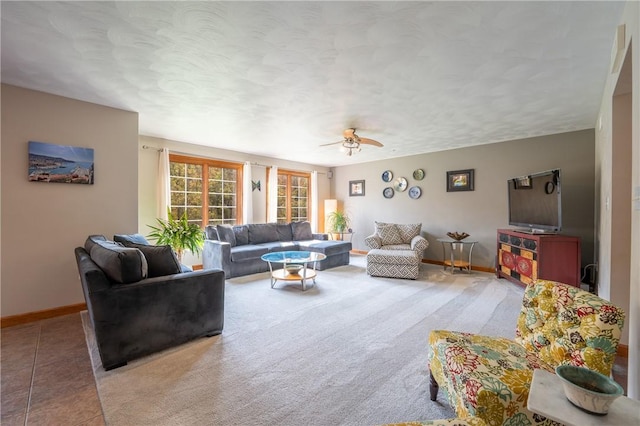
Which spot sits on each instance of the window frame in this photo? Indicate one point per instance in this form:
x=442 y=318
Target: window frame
x=206 y=163
x=289 y=174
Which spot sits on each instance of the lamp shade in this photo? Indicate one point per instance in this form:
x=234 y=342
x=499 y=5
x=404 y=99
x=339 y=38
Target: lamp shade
x=330 y=206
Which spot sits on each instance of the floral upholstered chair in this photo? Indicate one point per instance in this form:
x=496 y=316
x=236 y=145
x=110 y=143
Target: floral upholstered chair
x=489 y=377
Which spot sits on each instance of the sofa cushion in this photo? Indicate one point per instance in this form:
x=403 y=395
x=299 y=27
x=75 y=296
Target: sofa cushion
x=226 y=234
x=280 y=246
x=484 y=376
x=121 y=264
x=389 y=234
x=92 y=240
x=301 y=231
x=161 y=260
x=284 y=232
x=328 y=248
x=242 y=235
x=132 y=238
x=247 y=252
x=262 y=233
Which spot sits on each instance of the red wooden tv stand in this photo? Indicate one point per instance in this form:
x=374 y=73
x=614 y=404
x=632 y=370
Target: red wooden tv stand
x=524 y=257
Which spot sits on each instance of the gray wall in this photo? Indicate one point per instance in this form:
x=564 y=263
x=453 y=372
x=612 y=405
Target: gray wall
x=484 y=210
x=42 y=223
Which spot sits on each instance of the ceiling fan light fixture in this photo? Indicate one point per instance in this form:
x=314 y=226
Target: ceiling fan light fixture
x=352 y=142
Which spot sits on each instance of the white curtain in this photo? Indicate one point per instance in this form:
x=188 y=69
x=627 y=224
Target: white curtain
x=272 y=202
x=247 y=194
x=164 y=188
x=314 y=201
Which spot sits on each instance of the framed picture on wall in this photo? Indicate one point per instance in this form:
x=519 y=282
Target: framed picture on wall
x=460 y=180
x=49 y=162
x=356 y=188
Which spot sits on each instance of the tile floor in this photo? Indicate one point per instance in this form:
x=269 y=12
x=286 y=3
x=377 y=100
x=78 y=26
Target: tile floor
x=47 y=377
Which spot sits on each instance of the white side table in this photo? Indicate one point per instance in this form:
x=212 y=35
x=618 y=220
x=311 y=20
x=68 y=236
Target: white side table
x=546 y=397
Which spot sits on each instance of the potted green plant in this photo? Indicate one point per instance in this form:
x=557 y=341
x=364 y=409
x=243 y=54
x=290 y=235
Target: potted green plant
x=179 y=234
x=338 y=221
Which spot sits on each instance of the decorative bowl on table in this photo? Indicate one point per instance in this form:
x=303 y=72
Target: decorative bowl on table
x=458 y=236
x=587 y=389
x=292 y=268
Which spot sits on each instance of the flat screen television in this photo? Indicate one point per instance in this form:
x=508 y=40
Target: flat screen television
x=535 y=202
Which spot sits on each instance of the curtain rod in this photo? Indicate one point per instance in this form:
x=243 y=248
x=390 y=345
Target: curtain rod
x=253 y=163
x=152 y=147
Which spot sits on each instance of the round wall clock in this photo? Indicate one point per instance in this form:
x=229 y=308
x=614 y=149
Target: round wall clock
x=387 y=176
x=415 y=192
x=400 y=184
x=388 y=192
x=418 y=174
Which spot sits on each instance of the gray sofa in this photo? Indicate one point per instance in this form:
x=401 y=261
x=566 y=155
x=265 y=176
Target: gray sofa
x=140 y=301
x=237 y=249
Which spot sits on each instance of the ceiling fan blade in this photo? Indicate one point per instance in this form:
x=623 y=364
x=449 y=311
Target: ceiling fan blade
x=349 y=133
x=332 y=143
x=367 y=141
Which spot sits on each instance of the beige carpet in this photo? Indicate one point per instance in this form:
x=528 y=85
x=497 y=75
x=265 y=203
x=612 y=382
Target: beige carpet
x=351 y=350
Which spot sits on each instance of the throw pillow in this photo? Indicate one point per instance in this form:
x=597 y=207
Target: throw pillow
x=120 y=264
x=262 y=233
x=301 y=231
x=91 y=241
x=284 y=232
x=132 y=238
x=242 y=235
x=409 y=231
x=161 y=260
x=226 y=234
x=389 y=235
x=212 y=232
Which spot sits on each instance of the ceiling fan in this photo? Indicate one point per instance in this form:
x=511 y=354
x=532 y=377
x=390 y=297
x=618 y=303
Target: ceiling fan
x=352 y=142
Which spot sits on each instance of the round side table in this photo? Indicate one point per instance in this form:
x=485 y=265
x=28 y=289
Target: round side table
x=457 y=258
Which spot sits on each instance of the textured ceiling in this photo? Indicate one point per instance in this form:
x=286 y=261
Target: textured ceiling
x=281 y=78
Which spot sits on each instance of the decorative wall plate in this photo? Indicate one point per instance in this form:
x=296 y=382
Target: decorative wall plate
x=418 y=174
x=387 y=176
x=388 y=192
x=415 y=192
x=400 y=184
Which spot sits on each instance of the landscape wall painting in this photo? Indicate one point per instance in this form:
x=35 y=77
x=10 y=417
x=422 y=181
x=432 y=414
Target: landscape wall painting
x=60 y=163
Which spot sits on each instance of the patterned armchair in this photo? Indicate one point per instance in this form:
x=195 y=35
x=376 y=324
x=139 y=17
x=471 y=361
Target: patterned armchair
x=395 y=250
x=489 y=377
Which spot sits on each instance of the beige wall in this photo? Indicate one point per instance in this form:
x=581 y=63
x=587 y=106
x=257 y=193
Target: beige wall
x=611 y=222
x=42 y=223
x=148 y=171
x=484 y=210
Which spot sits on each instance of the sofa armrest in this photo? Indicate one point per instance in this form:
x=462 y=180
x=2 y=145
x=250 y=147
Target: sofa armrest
x=217 y=255
x=419 y=243
x=135 y=319
x=373 y=241
x=321 y=236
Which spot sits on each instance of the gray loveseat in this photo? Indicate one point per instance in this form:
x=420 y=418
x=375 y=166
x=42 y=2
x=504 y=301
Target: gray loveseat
x=237 y=249
x=140 y=301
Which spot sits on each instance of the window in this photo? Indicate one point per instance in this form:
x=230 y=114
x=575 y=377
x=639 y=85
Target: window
x=294 y=194
x=210 y=191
